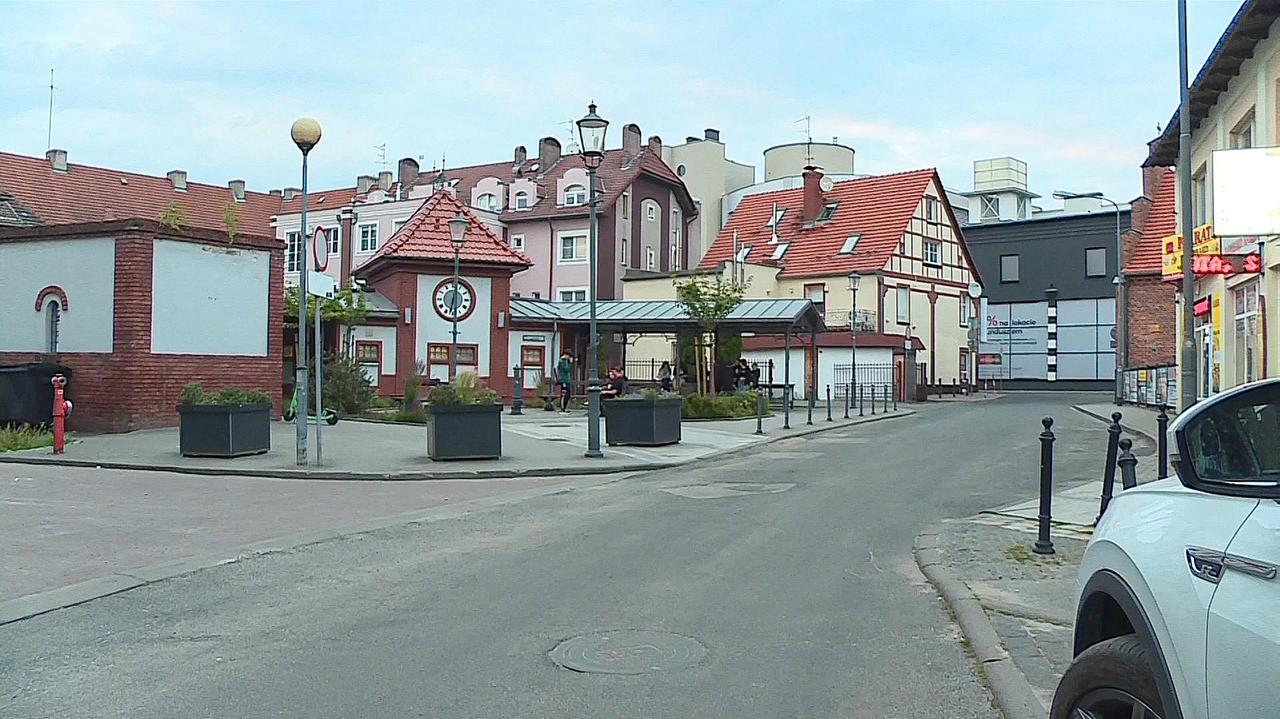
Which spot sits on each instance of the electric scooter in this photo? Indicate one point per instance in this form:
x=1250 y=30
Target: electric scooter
x=330 y=416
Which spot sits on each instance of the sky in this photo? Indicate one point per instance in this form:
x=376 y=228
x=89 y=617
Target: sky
x=1076 y=89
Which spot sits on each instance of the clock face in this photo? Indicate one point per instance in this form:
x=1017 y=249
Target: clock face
x=451 y=304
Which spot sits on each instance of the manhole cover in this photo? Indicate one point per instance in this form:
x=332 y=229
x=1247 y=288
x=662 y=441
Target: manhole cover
x=720 y=490
x=628 y=651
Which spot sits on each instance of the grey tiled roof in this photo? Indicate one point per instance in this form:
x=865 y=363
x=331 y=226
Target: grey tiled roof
x=15 y=214
x=668 y=314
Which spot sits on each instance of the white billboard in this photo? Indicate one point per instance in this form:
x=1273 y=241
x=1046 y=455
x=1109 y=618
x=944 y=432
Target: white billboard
x=1245 y=201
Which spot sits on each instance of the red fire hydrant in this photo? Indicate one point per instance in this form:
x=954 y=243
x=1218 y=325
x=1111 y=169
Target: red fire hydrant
x=61 y=408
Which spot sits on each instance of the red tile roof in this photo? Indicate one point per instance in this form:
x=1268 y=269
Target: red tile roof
x=425 y=236
x=1161 y=222
x=614 y=175
x=93 y=194
x=877 y=208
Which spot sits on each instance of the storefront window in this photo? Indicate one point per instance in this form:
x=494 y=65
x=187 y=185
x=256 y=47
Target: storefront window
x=1248 y=342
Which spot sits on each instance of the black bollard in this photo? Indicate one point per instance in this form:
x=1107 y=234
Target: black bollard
x=1162 y=442
x=1128 y=464
x=786 y=408
x=1109 y=469
x=873 y=400
x=517 y=397
x=895 y=396
x=1044 y=545
x=848 y=398
x=861 y=403
x=759 y=412
x=811 y=400
x=886 y=399
x=829 y=403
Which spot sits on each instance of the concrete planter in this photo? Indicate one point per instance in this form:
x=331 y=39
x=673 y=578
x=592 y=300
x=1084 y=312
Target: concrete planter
x=464 y=431
x=213 y=430
x=645 y=422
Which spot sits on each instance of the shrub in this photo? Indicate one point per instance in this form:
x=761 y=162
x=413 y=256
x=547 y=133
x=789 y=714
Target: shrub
x=346 y=386
x=465 y=389
x=411 y=385
x=722 y=406
x=227 y=396
x=24 y=437
x=411 y=416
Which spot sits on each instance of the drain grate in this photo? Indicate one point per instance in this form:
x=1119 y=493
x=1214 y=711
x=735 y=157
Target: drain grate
x=628 y=651
x=720 y=490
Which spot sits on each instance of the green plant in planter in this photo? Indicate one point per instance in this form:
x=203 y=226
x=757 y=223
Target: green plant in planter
x=465 y=389
x=195 y=394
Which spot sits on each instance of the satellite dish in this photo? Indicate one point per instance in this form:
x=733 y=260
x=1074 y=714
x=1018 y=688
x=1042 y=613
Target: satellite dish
x=975 y=290
x=826 y=183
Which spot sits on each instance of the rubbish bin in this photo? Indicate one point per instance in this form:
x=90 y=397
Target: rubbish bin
x=26 y=394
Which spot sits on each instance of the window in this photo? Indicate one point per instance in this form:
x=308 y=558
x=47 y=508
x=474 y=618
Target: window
x=1095 y=262
x=536 y=295
x=625 y=245
x=624 y=205
x=331 y=235
x=990 y=207
x=467 y=354
x=964 y=311
x=368 y=237
x=573 y=248
x=1008 y=268
x=517 y=243
x=1238 y=439
x=397 y=224
x=904 y=305
x=777 y=217
x=1198 y=198
x=522 y=200
x=828 y=211
x=438 y=353
x=53 y=310
x=1242 y=135
x=931 y=209
x=487 y=201
x=680 y=170
x=1248 y=333
x=850 y=243
x=368 y=352
x=674 y=262
x=575 y=195
x=1022 y=208
x=572 y=294
x=743 y=252
x=779 y=251
x=817 y=294
x=651 y=212
x=932 y=252
x=292 y=251
x=650 y=259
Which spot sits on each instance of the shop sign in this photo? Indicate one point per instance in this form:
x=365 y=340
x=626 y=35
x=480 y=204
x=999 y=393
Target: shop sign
x=1203 y=243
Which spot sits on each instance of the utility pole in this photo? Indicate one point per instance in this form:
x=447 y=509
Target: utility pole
x=49 y=137
x=1187 y=374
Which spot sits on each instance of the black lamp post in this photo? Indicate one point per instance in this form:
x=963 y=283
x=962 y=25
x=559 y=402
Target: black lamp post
x=305 y=134
x=458 y=236
x=854 y=279
x=591 y=132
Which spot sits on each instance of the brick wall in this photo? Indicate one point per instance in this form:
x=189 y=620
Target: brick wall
x=130 y=388
x=1152 y=321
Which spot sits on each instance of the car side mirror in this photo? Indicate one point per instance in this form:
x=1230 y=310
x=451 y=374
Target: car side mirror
x=1230 y=444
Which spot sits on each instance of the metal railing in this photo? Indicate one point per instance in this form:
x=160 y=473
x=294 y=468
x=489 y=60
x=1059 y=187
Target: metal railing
x=880 y=375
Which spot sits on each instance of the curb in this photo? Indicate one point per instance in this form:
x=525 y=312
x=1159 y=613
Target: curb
x=1009 y=687
x=419 y=476
x=1127 y=428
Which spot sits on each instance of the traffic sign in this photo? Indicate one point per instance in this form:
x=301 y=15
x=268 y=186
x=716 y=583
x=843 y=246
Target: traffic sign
x=321 y=285
x=320 y=248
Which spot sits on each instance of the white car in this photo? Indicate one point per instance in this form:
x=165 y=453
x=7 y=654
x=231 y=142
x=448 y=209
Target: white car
x=1178 y=615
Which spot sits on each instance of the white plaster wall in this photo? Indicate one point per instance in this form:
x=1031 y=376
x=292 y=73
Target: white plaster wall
x=828 y=358
x=85 y=269
x=209 y=300
x=476 y=329
x=547 y=340
x=385 y=335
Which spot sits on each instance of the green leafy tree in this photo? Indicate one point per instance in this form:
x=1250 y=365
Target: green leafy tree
x=231 y=219
x=348 y=307
x=708 y=300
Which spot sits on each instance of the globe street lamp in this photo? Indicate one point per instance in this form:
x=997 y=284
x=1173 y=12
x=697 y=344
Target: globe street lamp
x=591 y=133
x=306 y=134
x=458 y=236
x=854 y=278
x=1122 y=318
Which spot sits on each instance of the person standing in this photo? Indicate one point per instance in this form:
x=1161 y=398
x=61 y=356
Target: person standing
x=664 y=376
x=564 y=377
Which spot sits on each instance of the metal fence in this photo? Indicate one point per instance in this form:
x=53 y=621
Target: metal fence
x=869 y=375
x=1150 y=386
x=643 y=370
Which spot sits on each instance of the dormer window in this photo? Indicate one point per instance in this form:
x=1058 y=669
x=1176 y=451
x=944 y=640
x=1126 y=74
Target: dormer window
x=828 y=211
x=487 y=201
x=743 y=252
x=779 y=251
x=522 y=200
x=850 y=243
x=931 y=209
x=777 y=217
x=575 y=195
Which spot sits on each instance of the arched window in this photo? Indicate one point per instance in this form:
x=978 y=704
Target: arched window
x=487 y=201
x=53 y=317
x=575 y=195
x=522 y=200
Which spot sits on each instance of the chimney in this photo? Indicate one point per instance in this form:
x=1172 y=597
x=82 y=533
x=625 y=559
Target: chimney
x=630 y=142
x=237 y=189
x=548 y=153
x=655 y=145
x=521 y=155
x=1151 y=180
x=57 y=160
x=384 y=180
x=276 y=193
x=178 y=178
x=364 y=183
x=408 y=169
x=711 y=134
x=812 y=176
x=291 y=192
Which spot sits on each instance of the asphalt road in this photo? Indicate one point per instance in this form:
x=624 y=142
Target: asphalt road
x=806 y=601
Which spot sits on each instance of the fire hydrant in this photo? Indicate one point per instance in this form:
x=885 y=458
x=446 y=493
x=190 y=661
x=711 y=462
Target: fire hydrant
x=61 y=409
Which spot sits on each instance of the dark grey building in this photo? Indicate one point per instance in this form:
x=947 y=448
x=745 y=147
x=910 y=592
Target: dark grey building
x=1019 y=260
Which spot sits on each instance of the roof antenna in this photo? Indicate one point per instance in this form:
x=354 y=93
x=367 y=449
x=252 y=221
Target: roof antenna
x=49 y=138
x=808 y=135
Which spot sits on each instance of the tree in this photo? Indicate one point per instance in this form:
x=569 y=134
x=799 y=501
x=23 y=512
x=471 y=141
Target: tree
x=231 y=219
x=708 y=301
x=348 y=307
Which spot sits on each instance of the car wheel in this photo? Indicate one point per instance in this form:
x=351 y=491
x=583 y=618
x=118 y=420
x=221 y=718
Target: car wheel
x=1112 y=679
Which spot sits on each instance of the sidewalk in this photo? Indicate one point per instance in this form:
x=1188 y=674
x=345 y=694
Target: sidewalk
x=1133 y=419
x=534 y=444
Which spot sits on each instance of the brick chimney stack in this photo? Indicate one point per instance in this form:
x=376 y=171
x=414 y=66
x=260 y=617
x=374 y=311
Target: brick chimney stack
x=408 y=171
x=521 y=155
x=237 y=189
x=384 y=180
x=364 y=183
x=548 y=153
x=57 y=159
x=178 y=178
x=812 y=176
x=630 y=142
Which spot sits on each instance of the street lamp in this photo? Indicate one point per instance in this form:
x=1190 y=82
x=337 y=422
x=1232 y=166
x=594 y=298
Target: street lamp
x=591 y=133
x=854 y=278
x=306 y=134
x=1122 y=314
x=458 y=236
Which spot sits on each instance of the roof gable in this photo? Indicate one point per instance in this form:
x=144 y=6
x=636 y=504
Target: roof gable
x=877 y=209
x=1161 y=222
x=425 y=236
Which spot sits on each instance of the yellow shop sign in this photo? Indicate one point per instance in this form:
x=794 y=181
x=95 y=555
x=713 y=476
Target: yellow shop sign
x=1204 y=243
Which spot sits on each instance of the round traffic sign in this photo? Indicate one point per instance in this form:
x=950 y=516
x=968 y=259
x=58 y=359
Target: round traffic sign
x=320 y=248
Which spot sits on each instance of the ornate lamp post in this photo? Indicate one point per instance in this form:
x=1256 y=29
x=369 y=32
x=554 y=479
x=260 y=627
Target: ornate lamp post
x=458 y=236
x=591 y=133
x=306 y=134
x=854 y=278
